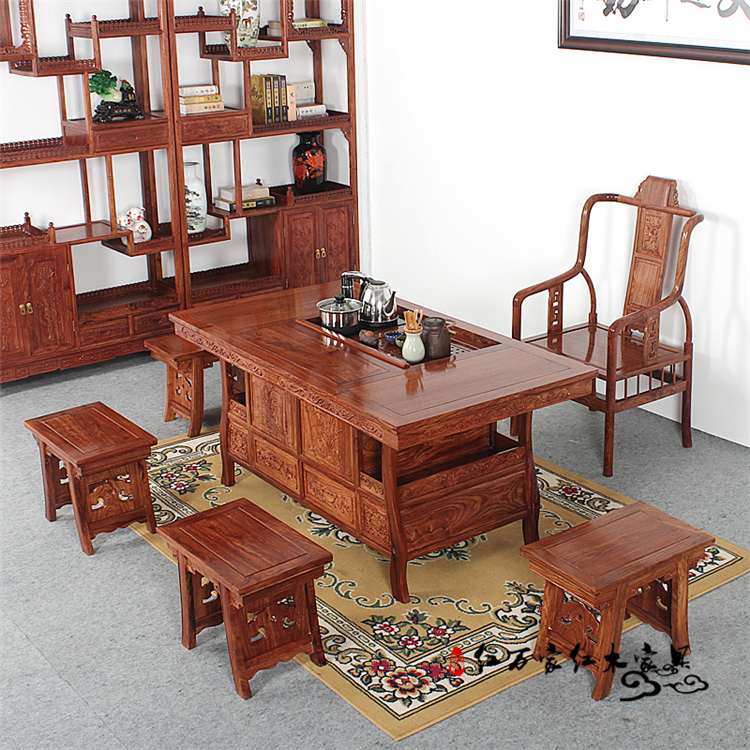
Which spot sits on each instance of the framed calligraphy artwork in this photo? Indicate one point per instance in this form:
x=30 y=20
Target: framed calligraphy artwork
x=717 y=30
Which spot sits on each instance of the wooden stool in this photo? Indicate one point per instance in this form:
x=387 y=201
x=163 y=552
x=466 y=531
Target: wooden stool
x=633 y=560
x=241 y=565
x=95 y=459
x=185 y=363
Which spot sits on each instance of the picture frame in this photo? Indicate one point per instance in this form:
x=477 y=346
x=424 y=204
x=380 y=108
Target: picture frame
x=714 y=30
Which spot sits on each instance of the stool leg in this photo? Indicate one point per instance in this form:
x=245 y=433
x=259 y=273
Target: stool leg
x=169 y=412
x=141 y=490
x=56 y=494
x=78 y=492
x=610 y=633
x=236 y=630
x=318 y=655
x=679 y=624
x=553 y=597
x=187 y=602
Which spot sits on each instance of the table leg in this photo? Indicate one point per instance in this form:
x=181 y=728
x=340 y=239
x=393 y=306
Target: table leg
x=399 y=586
x=235 y=626
x=227 y=464
x=56 y=493
x=531 y=521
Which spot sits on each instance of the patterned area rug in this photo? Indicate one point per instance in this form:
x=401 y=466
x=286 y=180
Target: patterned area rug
x=470 y=627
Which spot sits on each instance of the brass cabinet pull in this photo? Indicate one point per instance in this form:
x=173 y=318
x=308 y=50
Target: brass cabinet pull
x=322 y=252
x=317 y=252
x=29 y=308
x=22 y=308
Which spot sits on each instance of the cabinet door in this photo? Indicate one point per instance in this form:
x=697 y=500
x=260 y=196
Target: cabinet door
x=301 y=240
x=50 y=307
x=336 y=241
x=12 y=301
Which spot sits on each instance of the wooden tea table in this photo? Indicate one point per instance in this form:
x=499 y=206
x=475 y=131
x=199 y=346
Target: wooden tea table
x=407 y=459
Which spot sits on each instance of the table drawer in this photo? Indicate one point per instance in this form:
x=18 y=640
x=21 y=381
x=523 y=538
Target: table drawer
x=446 y=519
x=334 y=501
x=278 y=465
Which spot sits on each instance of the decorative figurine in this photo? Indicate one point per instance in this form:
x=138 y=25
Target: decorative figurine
x=116 y=102
x=135 y=221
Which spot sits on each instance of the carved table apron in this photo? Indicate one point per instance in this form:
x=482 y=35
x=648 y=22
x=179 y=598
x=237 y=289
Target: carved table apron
x=406 y=459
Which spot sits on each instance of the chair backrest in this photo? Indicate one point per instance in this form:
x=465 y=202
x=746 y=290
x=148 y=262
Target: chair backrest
x=653 y=239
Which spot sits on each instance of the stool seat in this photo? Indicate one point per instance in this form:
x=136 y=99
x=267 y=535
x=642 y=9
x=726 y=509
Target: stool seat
x=634 y=560
x=185 y=363
x=239 y=565
x=95 y=459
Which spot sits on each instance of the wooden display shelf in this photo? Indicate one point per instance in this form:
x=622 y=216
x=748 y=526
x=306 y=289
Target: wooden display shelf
x=230 y=282
x=39 y=151
x=140 y=295
x=161 y=241
x=286 y=196
x=334 y=120
x=25 y=235
x=332 y=31
x=111 y=29
x=210 y=235
x=80 y=234
x=62 y=65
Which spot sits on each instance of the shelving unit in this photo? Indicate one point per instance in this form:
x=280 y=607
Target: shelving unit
x=302 y=239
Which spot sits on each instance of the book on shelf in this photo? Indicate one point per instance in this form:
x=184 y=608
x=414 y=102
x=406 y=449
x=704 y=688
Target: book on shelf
x=276 y=83
x=291 y=102
x=311 y=110
x=200 y=99
x=249 y=192
x=274 y=27
x=225 y=205
x=269 y=99
x=200 y=90
x=191 y=109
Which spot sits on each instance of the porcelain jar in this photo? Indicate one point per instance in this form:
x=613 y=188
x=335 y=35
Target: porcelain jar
x=413 y=349
x=309 y=163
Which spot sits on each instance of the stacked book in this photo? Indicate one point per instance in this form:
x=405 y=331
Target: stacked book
x=195 y=99
x=274 y=27
x=269 y=97
x=253 y=196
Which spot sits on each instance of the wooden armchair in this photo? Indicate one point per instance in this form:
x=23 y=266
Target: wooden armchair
x=629 y=349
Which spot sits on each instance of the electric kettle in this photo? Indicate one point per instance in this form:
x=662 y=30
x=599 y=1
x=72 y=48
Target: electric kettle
x=379 y=308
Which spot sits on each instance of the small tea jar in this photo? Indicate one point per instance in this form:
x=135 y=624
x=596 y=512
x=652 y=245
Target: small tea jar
x=437 y=338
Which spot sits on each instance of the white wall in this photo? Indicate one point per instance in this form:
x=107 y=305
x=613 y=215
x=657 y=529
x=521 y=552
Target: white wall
x=479 y=141
x=484 y=140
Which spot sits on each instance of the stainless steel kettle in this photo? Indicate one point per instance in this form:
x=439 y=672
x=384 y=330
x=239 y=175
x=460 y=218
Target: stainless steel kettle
x=379 y=307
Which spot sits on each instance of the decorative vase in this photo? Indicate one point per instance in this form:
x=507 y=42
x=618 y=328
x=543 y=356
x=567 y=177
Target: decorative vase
x=247 y=16
x=413 y=349
x=195 y=198
x=309 y=163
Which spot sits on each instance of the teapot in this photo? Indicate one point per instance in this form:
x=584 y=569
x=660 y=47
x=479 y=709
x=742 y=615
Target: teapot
x=379 y=307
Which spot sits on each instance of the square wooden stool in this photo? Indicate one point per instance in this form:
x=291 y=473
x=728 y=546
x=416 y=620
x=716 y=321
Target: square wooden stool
x=95 y=459
x=185 y=363
x=633 y=560
x=240 y=565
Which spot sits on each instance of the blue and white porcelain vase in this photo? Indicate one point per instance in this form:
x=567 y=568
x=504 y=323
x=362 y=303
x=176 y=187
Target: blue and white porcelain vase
x=247 y=15
x=196 y=203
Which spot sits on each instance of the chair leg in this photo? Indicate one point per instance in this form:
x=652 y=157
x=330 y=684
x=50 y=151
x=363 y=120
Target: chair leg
x=687 y=435
x=609 y=442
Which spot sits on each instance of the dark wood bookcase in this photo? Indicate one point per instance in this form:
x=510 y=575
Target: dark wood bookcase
x=302 y=239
